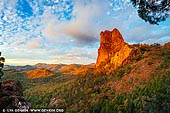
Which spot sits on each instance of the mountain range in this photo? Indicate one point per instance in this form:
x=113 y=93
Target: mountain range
x=126 y=78
x=73 y=69
x=112 y=54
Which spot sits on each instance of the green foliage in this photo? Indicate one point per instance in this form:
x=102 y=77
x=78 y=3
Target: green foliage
x=153 y=97
x=139 y=57
x=89 y=93
x=152 y=11
x=16 y=76
x=121 y=71
x=150 y=63
x=165 y=61
x=38 y=98
x=145 y=48
x=2 y=60
x=92 y=93
x=148 y=98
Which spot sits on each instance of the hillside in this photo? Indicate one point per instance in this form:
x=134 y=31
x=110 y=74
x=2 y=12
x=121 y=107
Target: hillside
x=126 y=79
x=142 y=85
x=34 y=70
x=39 y=73
x=51 y=67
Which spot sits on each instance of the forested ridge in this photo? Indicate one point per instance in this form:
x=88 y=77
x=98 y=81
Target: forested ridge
x=93 y=93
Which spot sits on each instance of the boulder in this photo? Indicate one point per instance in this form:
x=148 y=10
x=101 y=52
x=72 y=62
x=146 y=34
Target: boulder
x=11 y=96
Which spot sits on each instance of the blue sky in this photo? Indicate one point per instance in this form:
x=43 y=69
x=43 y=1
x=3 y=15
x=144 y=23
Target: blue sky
x=67 y=31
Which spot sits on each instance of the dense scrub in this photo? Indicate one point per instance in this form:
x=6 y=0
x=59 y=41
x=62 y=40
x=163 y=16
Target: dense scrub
x=90 y=93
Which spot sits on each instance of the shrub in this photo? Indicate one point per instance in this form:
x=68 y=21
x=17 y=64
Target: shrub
x=150 y=63
x=139 y=57
x=145 y=48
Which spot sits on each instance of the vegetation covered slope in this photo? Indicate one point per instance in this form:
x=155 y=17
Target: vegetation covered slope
x=141 y=86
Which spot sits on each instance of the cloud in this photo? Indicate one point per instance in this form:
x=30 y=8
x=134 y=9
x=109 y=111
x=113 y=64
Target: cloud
x=133 y=28
x=68 y=32
x=81 y=55
x=35 y=43
x=74 y=58
x=82 y=28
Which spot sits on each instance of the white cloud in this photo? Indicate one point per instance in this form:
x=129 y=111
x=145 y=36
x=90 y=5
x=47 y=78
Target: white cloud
x=35 y=43
x=45 y=38
x=134 y=29
x=82 y=28
x=73 y=58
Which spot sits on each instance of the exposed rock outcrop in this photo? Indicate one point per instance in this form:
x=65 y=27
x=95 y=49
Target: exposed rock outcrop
x=167 y=45
x=11 y=96
x=113 y=51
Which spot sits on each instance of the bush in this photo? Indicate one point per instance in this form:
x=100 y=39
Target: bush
x=139 y=57
x=145 y=48
x=150 y=63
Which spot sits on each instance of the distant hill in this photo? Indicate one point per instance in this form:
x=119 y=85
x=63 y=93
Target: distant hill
x=19 y=68
x=72 y=69
x=125 y=79
x=141 y=85
x=51 y=67
x=128 y=79
x=39 y=73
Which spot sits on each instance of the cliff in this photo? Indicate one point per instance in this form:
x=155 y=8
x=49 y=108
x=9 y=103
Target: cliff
x=11 y=96
x=167 y=45
x=113 y=51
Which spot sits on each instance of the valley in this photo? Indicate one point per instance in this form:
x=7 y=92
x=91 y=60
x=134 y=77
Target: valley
x=139 y=83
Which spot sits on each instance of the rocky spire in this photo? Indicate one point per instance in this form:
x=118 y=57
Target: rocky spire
x=113 y=51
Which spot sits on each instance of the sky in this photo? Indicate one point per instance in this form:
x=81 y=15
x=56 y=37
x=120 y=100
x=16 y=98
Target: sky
x=68 y=31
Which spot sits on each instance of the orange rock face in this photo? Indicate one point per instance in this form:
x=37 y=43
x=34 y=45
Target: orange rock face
x=113 y=51
x=167 y=45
